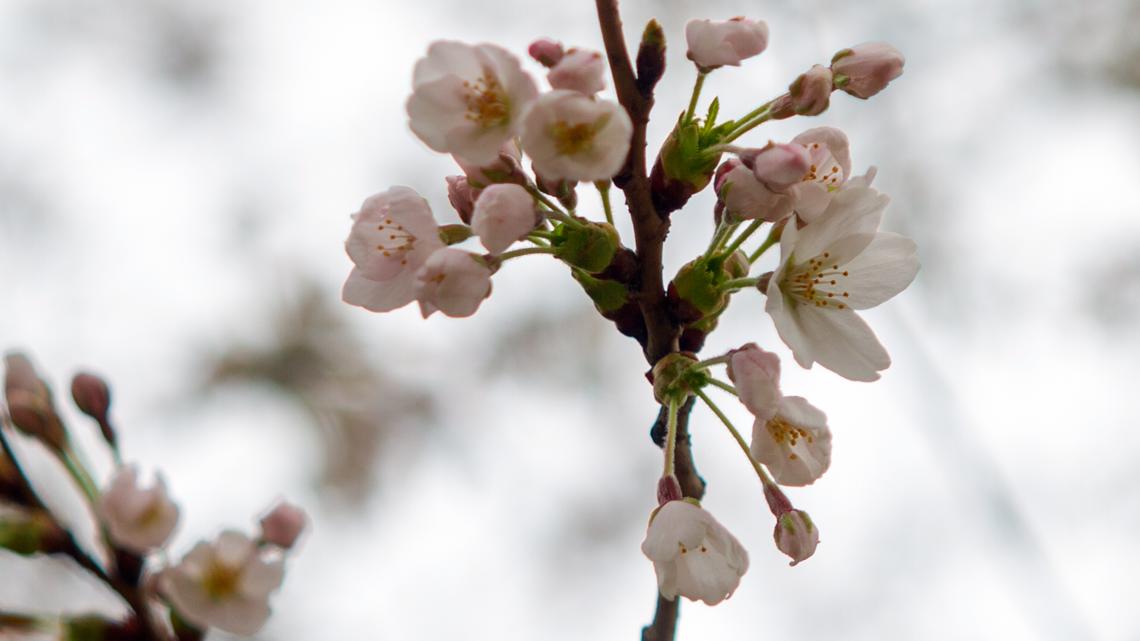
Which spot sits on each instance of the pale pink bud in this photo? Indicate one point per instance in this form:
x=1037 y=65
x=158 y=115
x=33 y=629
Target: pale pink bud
x=779 y=165
x=546 y=51
x=579 y=70
x=796 y=535
x=462 y=197
x=811 y=92
x=452 y=281
x=756 y=374
x=283 y=525
x=30 y=405
x=91 y=395
x=503 y=214
x=715 y=44
x=865 y=70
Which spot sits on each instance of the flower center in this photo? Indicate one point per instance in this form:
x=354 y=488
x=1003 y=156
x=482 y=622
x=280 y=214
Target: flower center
x=785 y=432
x=487 y=103
x=574 y=139
x=684 y=550
x=816 y=283
x=823 y=169
x=220 y=580
x=395 y=241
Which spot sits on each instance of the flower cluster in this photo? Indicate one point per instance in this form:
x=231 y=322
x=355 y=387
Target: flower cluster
x=479 y=104
x=223 y=584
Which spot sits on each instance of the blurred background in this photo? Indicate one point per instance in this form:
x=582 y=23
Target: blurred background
x=176 y=180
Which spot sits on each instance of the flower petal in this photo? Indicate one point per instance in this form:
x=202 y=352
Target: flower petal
x=886 y=267
x=842 y=342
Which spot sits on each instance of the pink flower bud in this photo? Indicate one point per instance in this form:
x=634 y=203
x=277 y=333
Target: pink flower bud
x=462 y=197
x=579 y=70
x=796 y=535
x=283 y=525
x=668 y=489
x=779 y=165
x=865 y=70
x=503 y=214
x=452 y=281
x=715 y=44
x=546 y=51
x=756 y=374
x=811 y=92
x=30 y=404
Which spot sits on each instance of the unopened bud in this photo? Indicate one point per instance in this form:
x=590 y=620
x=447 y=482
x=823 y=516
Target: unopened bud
x=650 y=57
x=796 y=535
x=590 y=247
x=462 y=197
x=865 y=70
x=283 y=525
x=811 y=92
x=779 y=165
x=30 y=403
x=579 y=70
x=668 y=489
x=546 y=51
x=93 y=397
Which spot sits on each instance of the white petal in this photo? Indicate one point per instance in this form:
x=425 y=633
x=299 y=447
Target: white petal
x=260 y=577
x=233 y=548
x=851 y=211
x=677 y=523
x=379 y=296
x=785 y=317
x=243 y=617
x=842 y=342
x=886 y=267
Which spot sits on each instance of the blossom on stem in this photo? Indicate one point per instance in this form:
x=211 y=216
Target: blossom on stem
x=503 y=214
x=796 y=535
x=579 y=70
x=571 y=136
x=865 y=70
x=283 y=525
x=546 y=51
x=829 y=166
x=795 y=443
x=756 y=375
x=452 y=281
x=746 y=198
x=779 y=165
x=138 y=518
x=811 y=91
x=833 y=266
x=714 y=44
x=224 y=584
x=392 y=236
x=467 y=99
x=693 y=554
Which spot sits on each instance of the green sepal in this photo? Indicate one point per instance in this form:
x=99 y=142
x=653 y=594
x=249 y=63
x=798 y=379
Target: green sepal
x=608 y=295
x=453 y=234
x=589 y=246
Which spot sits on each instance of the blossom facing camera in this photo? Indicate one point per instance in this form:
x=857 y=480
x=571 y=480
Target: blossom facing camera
x=756 y=374
x=796 y=535
x=579 y=70
x=795 y=443
x=830 y=268
x=503 y=214
x=573 y=137
x=224 y=584
x=283 y=525
x=865 y=70
x=811 y=91
x=393 y=235
x=829 y=158
x=140 y=519
x=452 y=281
x=693 y=554
x=715 y=44
x=468 y=99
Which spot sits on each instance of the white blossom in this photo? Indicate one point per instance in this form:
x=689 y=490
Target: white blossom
x=503 y=214
x=467 y=99
x=452 y=281
x=795 y=443
x=833 y=266
x=714 y=44
x=393 y=235
x=224 y=584
x=579 y=70
x=693 y=555
x=138 y=518
x=829 y=157
x=573 y=137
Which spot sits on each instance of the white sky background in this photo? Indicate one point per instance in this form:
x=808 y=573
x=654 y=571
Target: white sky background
x=984 y=489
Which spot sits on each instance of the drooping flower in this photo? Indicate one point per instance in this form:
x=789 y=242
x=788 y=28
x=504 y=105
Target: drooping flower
x=795 y=443
x=833 y=266
x=468 y=99
x=714 y=44
x=796 y=535
x=225 y=584
x=579 y=70
x=571 y=136
x=693 y=554
x=746 y=198
x=452 y=281
x=756 y=375
x=811 y=91
x=392 y=236
x=140 y=519
x=865 y=70
x=503 y=214
x=283 y=525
